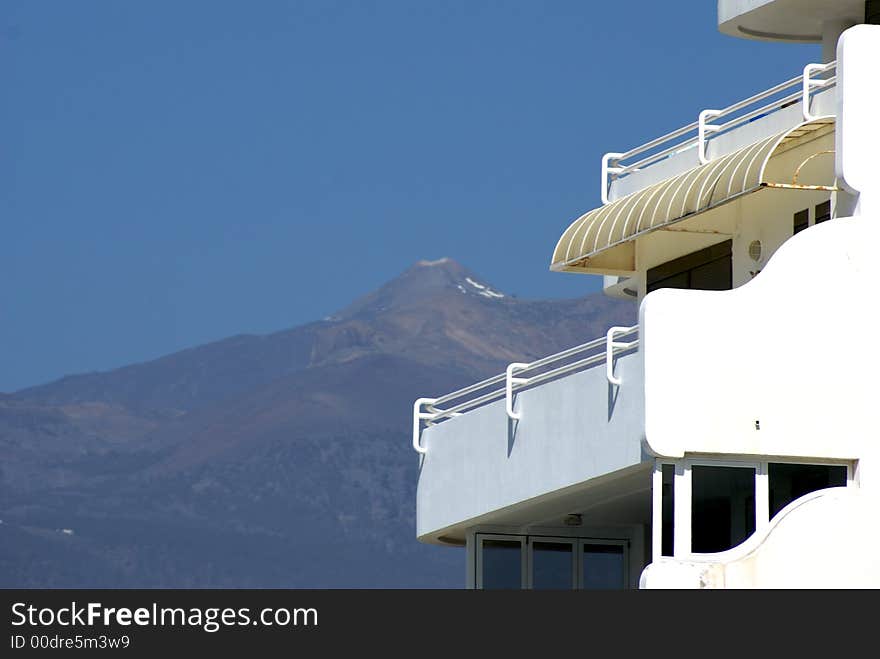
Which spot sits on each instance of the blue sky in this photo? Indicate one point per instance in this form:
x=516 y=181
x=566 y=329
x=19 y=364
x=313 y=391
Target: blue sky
x=172 y=173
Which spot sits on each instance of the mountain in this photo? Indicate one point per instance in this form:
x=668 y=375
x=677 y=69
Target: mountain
x=281 y=460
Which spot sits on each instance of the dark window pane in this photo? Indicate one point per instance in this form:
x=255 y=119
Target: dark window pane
x=801 y=220
x=823 y=212
x=680 y=280
x=706 y=269
x=667 y=537
x=792 y=481
x=713 y=276
x=552 y=566
x=722 y=507
x=603 y=567
x=501 y=564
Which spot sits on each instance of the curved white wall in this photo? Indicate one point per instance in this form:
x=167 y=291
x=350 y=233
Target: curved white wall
x=794 y=350
x=827 y=539
x=786 y=365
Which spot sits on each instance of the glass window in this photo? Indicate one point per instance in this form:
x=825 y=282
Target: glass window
x=667 y=538
x=722 y=507
x=709 y=269
x=801 y=220
x=501 y=563
x=552 y=565
x=603 y=567
x=789 y=481
x=823 y=212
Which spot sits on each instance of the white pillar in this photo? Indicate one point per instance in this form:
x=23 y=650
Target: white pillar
x=858 y=108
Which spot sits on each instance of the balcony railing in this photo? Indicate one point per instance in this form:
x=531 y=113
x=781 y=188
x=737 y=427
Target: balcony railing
x=700 y=132
x=519 y=376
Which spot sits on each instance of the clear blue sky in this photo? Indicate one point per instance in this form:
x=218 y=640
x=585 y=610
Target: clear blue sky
x=173 y=173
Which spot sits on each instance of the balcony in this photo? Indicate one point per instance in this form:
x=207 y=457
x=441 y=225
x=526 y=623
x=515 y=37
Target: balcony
x=571 y=434
x=526 y=445
x=717 y=133
x=761 y=155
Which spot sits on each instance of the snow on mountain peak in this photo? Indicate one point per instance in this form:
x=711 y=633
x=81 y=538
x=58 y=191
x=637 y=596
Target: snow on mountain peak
x=482 y=289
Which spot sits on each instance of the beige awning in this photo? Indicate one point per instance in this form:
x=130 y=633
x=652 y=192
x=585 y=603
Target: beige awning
x=787 y=161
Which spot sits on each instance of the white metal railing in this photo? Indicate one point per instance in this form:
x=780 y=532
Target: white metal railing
x=614 y=165
x=520 y=376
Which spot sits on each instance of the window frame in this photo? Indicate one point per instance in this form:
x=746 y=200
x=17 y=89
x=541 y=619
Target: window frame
x=850 y=475
x=798 y=227
x=826 y=212
x=530 y=559
x=527 y=542
x=583 y=542
x=762 y=496
x=683 y=490
x=686 y=264
x=480 y=537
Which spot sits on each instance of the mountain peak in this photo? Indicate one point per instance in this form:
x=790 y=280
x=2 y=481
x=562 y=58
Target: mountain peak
x=433 y=268
x=430 y=264
x=424 y=280
x=446 y=273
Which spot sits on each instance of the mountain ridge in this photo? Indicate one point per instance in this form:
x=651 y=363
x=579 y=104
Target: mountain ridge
x=429 y=306
x=278 y=460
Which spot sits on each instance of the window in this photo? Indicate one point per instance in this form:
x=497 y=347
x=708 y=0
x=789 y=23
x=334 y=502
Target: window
x=668 y=504
x=792 y=481
x=553 y=565
x=603 y=566
x=722 y=507
x=550 y=563
x=801 y=220
x=823 y=212
x=718 y=504
x=500 y=562
x=709 y=269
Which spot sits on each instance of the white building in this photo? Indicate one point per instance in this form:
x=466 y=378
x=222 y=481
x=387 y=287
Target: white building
x=730 y=439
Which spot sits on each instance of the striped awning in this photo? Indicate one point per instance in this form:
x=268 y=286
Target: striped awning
x=779 y=161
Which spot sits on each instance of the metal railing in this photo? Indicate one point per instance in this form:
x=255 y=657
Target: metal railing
x=519 y=376
x=614 y=166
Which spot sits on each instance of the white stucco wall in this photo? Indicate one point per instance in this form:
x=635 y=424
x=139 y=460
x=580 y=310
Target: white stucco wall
x=826 y=539
x=858 y=104
x=794 y=350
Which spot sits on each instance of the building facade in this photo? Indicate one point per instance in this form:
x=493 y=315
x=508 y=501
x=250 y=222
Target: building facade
x=729 y=439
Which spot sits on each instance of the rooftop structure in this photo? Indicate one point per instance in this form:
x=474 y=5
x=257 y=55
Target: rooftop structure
x=714 y=444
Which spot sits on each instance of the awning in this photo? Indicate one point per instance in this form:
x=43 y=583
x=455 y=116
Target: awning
x=788 y=161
